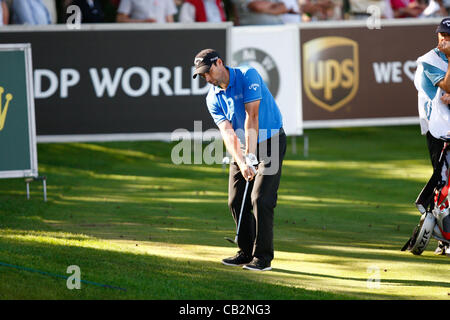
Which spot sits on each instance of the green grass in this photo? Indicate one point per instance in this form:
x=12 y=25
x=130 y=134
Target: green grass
x=130 y=218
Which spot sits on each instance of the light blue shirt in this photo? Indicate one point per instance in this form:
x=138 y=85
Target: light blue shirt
x=246 y=85
x=432 y=75
x=30 y=12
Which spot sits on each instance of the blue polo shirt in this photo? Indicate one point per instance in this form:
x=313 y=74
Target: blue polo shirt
x=246 y=85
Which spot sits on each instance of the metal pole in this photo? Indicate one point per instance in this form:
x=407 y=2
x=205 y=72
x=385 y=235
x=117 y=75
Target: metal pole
x=305 y=146
x=44 y=183
x=28 y=190
x=294 y=145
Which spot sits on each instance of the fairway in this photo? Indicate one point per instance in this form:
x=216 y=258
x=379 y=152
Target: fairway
x=131 y=219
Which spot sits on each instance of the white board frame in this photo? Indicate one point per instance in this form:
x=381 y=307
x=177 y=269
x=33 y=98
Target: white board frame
x=33 y=171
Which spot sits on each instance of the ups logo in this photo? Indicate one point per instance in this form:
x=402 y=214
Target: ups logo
x=4 y=108
x=330 y=71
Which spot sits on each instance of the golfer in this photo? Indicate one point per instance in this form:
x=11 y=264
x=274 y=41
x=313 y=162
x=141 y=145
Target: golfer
x=432 y=81
x=251 y=126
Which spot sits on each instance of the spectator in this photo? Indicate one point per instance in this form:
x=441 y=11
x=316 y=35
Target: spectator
x=308 y=10
x=178 y=4
x=159 y=11
x=4 y=13
x=61 y=10
x=110 y=9
x=293 y=15
x=32 y=12
x=51 y=7
x=321 y=10
x=9 y=5
x=202 y=11
x=114 y=3
x=91 y=11
x=259 y=12
x=107 y=10
x=434 y=9
x=446 y=4
x=358 y=9
x=332 y=9
x=406 y=8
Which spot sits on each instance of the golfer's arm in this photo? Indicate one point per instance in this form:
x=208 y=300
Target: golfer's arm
x=231 y=141
x=251 y=126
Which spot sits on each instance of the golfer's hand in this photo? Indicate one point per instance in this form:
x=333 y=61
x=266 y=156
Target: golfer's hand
x=247 y=172
x=446 y=98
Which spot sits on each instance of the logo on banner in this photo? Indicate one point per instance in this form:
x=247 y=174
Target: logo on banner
x=263 y=63
x=330 y=71
x=4 y=107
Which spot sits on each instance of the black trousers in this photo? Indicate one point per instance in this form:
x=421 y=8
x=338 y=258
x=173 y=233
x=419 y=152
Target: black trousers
x=435 y=147
x=256 y=229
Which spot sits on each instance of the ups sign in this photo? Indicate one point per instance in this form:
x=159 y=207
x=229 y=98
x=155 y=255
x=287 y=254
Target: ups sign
x=330 y=71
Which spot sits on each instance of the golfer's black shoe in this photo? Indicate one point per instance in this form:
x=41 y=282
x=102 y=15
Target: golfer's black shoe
x=258 y=265
x=238 y=260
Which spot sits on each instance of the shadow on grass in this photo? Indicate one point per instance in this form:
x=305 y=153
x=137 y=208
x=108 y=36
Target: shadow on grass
x=143 y=276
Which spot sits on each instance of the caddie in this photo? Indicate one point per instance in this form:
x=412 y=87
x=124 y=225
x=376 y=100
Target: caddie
x=432 y=81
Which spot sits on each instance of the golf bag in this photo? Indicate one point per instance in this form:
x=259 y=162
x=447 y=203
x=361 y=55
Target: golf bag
x=435 y=222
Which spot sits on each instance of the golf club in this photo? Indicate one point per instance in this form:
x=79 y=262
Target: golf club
x=251 y=163
x=240 y=215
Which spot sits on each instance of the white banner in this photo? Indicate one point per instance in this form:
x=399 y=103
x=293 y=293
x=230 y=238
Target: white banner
x=274 y=51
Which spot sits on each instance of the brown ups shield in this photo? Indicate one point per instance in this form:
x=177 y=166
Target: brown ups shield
x=330 y=71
